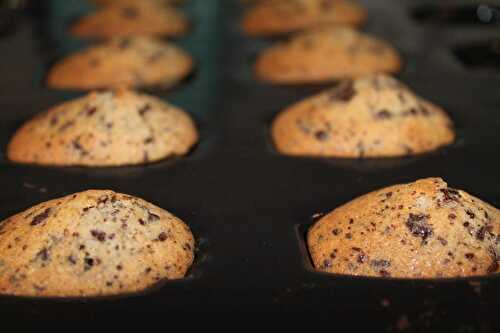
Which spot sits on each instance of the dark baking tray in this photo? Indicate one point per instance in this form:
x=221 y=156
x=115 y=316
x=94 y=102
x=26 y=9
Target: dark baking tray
x=248 y=206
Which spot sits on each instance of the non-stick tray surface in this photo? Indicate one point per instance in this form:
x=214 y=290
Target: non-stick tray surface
x=248 y=206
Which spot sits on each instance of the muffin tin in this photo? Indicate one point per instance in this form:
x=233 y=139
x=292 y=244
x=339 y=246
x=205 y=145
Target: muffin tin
x=248 y=206
x=469 y=12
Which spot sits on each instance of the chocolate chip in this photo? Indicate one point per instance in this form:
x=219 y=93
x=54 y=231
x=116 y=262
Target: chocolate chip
x=442 y=241
x=91 y=111
x=411 y=112
x=383 y=114
x=336 y=231
x=361 y=258
x=162 y=237
x=88 y=263
x=493 y=267
x=471 y=214
x=327 y=263
x=66 y=125
x=384 y=273
x=344 y=92
x=149 y=140
x=348 y=235
x=142 y=222
x=481 y=233
x=119 y=267
x=77 y=146
x=43 y=254
x=469 y=256
x=380 y=264
x=41 y=217
x=303 y=127
x=321 y=135
x=418 y=226
x=146 y=108
x=99 y=235
x=102 y=200
x=152 y=217
x=450 y=194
